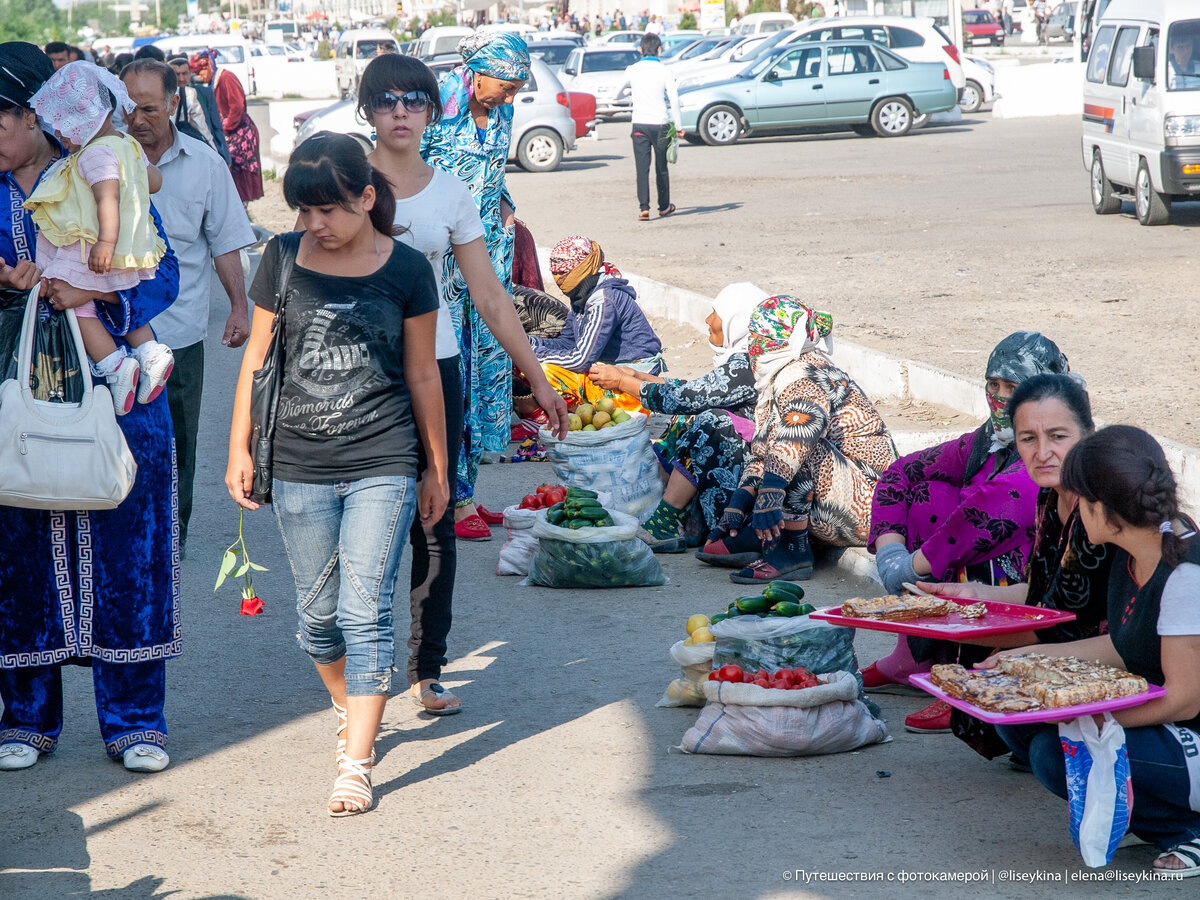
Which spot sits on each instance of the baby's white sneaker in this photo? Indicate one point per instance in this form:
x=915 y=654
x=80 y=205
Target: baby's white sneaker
x=121 y=371
x=156 y=361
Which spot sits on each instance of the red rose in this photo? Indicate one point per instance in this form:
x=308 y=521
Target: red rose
x=251 y=606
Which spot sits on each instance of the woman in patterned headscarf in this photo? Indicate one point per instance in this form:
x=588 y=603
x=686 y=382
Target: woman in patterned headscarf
x=964 y=510
x=471 y=142
x=818 y=449
x=241 y=134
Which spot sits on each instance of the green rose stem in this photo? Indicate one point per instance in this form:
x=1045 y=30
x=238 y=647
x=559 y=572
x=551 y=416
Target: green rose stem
x=230 y=562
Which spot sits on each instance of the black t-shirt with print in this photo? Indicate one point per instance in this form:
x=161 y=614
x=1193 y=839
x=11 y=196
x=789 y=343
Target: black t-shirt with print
x=345 y=411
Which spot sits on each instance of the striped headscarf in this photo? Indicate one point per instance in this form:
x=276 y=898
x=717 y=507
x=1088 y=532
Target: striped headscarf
x=498 y=54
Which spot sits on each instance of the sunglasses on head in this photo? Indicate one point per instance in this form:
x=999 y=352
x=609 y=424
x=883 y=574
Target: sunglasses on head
x=414 y=102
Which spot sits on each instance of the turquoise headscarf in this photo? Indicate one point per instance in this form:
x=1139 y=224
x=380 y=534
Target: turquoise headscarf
x=499 y=54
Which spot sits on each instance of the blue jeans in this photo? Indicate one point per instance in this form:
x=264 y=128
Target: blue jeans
x=344 y=542
x=1157 y=767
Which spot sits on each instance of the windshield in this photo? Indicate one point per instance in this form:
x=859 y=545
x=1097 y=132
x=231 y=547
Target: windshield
x=554 y=55
x=609 y=62
x=1183 y=62
x=372 y=49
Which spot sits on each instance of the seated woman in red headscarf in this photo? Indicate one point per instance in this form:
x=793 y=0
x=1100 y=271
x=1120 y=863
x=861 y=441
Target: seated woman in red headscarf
x=605 y=324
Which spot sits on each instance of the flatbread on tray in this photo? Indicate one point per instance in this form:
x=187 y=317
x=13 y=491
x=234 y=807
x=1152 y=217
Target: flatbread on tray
x=893 y=608
x=1028 y=681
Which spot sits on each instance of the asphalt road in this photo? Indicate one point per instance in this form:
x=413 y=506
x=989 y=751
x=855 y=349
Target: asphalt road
x=558 y=779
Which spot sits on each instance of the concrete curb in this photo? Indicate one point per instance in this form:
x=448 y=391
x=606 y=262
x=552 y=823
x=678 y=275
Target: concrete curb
x=883 y=375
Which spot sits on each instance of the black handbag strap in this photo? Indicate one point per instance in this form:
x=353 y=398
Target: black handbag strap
x=289 y=247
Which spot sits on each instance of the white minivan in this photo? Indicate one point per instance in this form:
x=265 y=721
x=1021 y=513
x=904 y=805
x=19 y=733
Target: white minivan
x=354 y=50
x=1141 y=107
x=763 y=23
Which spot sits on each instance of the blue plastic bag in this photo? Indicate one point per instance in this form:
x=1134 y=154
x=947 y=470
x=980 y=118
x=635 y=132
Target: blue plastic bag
x=1100 y=795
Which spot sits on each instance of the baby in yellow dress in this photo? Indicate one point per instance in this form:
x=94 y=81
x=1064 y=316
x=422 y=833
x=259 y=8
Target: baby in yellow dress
x=95 y=232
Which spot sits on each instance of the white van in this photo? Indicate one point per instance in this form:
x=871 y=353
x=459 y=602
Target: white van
x=232 y=53
x=438 y=41
x=762 y=23
x=354 y=50
x=1141 y=107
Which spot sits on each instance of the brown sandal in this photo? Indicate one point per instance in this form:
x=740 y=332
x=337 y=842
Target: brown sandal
x=663 y=213
x=644 y=215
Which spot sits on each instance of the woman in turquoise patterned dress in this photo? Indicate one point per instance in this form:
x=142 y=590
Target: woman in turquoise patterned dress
x=471 y=141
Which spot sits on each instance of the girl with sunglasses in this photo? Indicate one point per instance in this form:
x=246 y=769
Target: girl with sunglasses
x=399 y=97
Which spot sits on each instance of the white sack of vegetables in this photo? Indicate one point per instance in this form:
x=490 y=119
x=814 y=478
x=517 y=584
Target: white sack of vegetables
x=592 y=556
x=617 y=459
x=827 y=718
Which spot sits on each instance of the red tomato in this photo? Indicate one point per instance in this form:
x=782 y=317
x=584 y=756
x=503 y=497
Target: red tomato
x=560 y=494
x=712 y=676
x=763 y=674
x=761 y=682
x=730 y=672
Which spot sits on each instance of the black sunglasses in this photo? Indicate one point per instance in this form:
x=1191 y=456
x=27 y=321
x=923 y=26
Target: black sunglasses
x=414 y=102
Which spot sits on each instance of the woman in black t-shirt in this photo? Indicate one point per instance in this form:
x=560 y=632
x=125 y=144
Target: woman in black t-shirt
x=360 y=382
x=1127 y=499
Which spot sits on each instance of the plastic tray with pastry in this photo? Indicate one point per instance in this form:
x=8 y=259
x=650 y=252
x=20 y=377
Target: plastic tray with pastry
x=948 y=617
x=1033 y=687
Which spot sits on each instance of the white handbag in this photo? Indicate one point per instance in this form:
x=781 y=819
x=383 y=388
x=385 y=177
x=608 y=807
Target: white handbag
x=60 y=455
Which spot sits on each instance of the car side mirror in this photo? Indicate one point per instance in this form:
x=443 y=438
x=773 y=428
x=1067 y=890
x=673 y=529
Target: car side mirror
x=1143 y=64
x=771 y=75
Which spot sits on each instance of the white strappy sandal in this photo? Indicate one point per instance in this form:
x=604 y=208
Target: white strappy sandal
x=340 y=750
x=352 y=786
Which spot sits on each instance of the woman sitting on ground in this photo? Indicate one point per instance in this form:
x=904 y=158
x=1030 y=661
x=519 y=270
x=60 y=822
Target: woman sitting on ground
x=960 y=511
x=819 y=446
x=1127 y=499
x=605 y=323
x=705 y=446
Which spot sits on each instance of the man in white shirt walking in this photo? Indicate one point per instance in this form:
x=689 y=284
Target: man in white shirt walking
x=652 y=88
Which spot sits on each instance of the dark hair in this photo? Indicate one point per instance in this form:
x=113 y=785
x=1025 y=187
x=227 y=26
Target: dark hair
x=147 y=66
x=393 y=72
x=149 y=51
x=1125 y=470
x=1065 y=388
x=57 y=47
x=119 y=64
x=331 y=169
x=651 y=44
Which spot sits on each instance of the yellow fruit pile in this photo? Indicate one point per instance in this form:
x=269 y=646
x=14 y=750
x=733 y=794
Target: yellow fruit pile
x=587 y=417
x=697 y=631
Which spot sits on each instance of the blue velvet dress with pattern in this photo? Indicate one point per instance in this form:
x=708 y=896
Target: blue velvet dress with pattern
x=94 y=588
x=455 y=145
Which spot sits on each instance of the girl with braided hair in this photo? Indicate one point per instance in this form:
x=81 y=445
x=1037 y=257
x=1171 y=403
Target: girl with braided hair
x=1127 y=498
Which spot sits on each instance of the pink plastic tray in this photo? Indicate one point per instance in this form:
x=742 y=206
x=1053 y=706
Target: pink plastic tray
x=1057 y=714
x=1001 y=618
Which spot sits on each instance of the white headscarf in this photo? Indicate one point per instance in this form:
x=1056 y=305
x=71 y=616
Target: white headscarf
x=733 y=307
x=74 y=104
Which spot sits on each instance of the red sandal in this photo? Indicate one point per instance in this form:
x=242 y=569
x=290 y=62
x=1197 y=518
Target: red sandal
x=933 y=719
x=489 y=518
x=472 y=528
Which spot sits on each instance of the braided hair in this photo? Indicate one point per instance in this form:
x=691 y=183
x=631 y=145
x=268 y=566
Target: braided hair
x=1125 y=470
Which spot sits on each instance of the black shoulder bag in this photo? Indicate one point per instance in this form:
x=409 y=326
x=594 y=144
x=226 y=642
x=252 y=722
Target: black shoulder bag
x=264 y=390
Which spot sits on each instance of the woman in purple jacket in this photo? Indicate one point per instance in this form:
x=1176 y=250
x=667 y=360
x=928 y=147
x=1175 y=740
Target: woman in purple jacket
x=960 y=511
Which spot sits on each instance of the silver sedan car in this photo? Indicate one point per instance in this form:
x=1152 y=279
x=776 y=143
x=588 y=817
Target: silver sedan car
x=543 y=130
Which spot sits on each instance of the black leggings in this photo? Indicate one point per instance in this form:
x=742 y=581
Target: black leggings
x=434 y=552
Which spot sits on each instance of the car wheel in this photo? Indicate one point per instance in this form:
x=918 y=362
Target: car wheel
x=540 y=150
x=1103 y=201
x=972 y=97
x=892 y=117
x=1152 y=207
x=720 y=126
x=863 y=130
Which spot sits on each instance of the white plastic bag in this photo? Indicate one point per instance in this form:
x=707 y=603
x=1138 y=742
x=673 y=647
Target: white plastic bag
x=1100 y=795
x=618 y=460
x=521 y=545
x=783 y=730
x=695 y=662
x=779 y=642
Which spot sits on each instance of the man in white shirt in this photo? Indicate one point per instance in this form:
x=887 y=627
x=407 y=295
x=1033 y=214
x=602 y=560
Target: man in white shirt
x=204 y=221
x=652 y=89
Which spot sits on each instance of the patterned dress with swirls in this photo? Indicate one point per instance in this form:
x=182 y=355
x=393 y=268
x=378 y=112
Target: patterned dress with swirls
x=818 y=432
x=453 y=144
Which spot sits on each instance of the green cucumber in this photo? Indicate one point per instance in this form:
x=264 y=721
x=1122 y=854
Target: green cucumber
x=783 y=590
x=593 y=513
x=719 y=617
x=584 y=493
x=555 y=515
x=750 y=605
x=789 y=608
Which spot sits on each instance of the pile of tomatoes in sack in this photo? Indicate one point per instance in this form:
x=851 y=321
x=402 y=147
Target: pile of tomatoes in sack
x=783 y=680
x=544 y=497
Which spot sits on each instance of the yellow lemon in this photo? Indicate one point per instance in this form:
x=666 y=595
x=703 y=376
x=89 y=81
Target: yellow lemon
x=702 y=636
x=696 y=621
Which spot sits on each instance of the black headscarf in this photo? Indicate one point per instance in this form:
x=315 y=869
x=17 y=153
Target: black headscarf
x=23 y=70
x=1019 y=356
